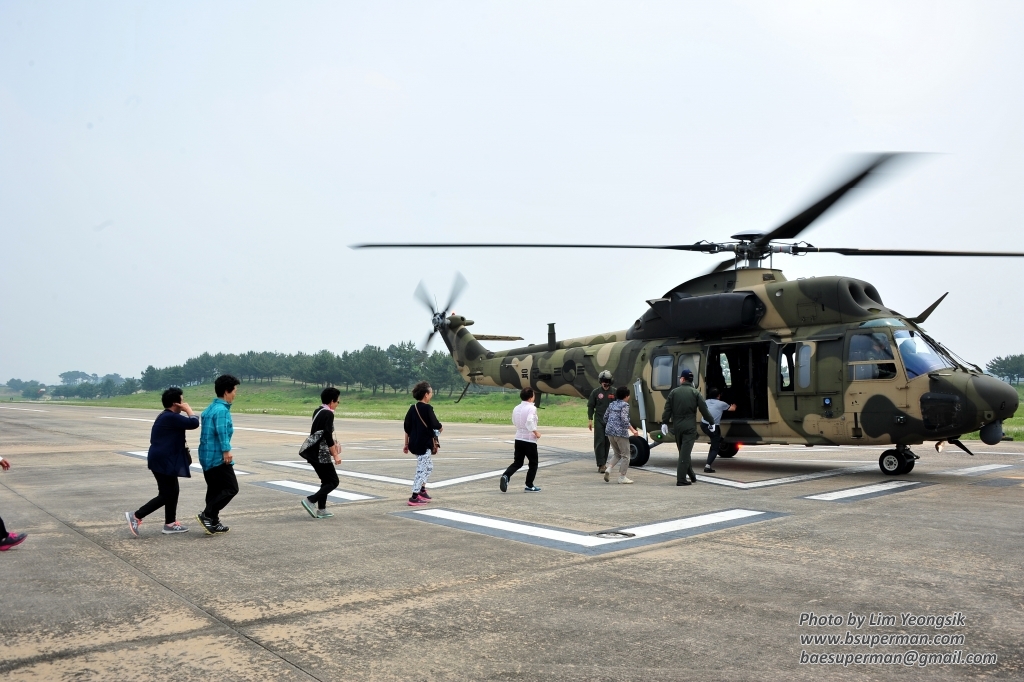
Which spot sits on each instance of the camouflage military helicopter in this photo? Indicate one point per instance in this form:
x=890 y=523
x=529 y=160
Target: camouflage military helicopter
x=818 y=361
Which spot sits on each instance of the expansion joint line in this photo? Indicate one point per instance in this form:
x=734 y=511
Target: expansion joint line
x=167 y=587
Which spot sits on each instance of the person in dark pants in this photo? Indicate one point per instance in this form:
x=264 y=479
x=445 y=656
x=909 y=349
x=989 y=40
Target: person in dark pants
x=323 y=453
x=215 y=454
x=681 y=411
x=524 y=416
x=600 y=398
x=168 y=460
x=714 y=430
x=8 y=540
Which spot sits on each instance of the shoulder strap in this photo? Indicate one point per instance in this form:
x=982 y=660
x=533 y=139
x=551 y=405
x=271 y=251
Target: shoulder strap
x=416 y=407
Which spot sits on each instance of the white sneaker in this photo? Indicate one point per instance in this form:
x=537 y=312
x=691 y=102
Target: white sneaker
x=623 y=479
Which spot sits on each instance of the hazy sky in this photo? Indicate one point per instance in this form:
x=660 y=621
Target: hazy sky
x=186 y=177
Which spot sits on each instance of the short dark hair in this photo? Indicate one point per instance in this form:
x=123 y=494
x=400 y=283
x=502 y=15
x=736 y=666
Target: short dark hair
x=526 y=393
x=713 y=392
x=621 y=393
x=224 y=384
x=420 y=390
x=329 y=395
x=171 y=396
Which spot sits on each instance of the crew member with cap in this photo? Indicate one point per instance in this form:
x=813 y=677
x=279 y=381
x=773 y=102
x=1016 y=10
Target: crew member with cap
x=681 y=411
x=600 y=398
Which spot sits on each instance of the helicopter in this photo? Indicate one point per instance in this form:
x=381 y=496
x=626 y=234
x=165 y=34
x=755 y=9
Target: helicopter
x=816 y=361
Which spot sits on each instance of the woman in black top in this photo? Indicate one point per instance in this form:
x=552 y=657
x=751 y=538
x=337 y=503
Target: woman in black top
x=421 y=427
x=319 y=450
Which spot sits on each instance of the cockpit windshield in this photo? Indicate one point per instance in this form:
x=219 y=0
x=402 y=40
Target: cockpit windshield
x=919 y=357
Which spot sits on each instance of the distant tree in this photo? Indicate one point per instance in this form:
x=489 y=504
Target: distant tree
x=116 y=378
x=152 y=379
x=322 y=368
x=15 y=384
x=106 y=388
x=300 y=366
x=406 y=364
x=442 y=372
x=375 y=367
x=73 y=378
x=1010 y=367
x=129 y=386
x=32 y=390
x=173 y=376
x=87 y=389
x=199 y=369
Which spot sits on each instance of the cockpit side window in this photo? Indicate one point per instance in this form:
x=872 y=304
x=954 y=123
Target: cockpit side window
x=870 y=357
x=919 y=357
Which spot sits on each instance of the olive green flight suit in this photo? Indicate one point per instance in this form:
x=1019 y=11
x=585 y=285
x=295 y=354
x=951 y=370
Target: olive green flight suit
x=597 y=405
x=681 y=411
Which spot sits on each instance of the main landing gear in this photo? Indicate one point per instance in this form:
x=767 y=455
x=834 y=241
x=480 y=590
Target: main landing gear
x=897 y=462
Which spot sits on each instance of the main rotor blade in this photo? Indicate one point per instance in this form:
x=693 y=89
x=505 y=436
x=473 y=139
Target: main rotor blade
x=905 y=252
x=423 y=296
x=706 y=248
x=800 y=222
x=457 y=287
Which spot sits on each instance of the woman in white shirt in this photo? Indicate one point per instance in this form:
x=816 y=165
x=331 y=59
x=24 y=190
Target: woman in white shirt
x=524 y=416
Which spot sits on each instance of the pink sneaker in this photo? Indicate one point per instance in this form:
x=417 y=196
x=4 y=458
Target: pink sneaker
x=416 y=501
x=12 y=540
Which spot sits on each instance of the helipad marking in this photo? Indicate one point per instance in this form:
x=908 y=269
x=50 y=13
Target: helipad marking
x=866 y=491
x=21 y=409
x=305 y=489
x=585 y=543
x=404 y=481
x=976 y=471
x=767 y=482
x=237 y=428
x=142 y=454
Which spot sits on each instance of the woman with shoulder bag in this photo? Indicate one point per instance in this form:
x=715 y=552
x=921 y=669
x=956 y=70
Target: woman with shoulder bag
x=323 y=453
x=421 y=431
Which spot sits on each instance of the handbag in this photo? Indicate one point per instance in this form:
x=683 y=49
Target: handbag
x=188 y=454
x=436 y=445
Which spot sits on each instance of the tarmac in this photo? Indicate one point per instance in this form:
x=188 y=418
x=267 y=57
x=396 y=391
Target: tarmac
x=585 y=580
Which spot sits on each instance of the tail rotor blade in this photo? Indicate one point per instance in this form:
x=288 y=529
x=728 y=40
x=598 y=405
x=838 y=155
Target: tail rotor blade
x=423 y=296
x=457 y=287
x=425 y=346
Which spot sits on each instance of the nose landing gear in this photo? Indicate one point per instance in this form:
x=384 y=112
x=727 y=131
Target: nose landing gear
x=897 y=462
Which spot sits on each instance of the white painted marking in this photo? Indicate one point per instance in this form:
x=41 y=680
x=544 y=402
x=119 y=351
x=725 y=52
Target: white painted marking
x=339 y=494
x=129 y=419
x=767 y=482
x=21 y=409
x=974 y=471
x=287 y=433
x=584 y=540
x=862 y=490
x=407 y=481
x=142 y=454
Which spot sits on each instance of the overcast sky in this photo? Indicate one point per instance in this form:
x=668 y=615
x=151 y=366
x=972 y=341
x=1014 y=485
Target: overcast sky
x=186 y=177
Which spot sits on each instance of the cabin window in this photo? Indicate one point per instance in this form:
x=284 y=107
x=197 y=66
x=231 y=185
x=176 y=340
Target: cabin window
x=661 y=373
x=786 y=365
x=803 y=366
x=919 y=357
x=870 y=357
x=690 y=361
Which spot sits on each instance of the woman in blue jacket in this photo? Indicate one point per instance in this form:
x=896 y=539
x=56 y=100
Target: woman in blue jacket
x=168 y=460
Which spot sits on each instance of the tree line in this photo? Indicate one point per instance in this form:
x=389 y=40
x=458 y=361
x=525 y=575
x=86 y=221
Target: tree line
x=398 y=367
x=1010 y=368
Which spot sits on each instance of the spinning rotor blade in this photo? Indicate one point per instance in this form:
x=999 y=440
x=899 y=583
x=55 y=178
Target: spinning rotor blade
x=457 y=287
x=904 y=252
x=706 y=248
x=800 y=222
x=426 y=342
x=423 y=296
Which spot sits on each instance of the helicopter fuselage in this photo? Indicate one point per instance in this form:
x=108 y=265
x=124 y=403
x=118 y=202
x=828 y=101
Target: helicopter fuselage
x=818 y=361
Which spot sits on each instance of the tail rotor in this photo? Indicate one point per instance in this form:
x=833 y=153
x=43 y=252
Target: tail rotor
x=438 y=318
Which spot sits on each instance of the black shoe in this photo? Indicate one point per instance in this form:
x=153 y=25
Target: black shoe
x=683 y=482
x=219 y=528
x=708 y=470
x=206 y=523
x=503 y=484
x=694 y=478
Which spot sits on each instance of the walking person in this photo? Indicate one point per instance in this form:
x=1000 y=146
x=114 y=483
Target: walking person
x=600 y=398
x=681 y=411
x=524 y=416
x=8 y=540
x=618 y=429
x=421 y=432
x=168 y=459
x=714 y=430
x=323 y=452
x=215 y=454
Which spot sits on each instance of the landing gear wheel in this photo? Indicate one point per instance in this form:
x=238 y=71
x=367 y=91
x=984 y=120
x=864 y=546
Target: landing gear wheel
x=639 y=451
x=891 y=462
x=728 y=450
x=910 y=466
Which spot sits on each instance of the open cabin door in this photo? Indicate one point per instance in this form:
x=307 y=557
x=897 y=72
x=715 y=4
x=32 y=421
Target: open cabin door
x=740 y=372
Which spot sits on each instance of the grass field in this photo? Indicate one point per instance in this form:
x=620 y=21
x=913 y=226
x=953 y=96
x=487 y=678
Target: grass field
x=483 y=408
x=286 y=398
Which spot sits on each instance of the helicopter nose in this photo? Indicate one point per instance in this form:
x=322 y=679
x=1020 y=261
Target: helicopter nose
x=998 y=397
